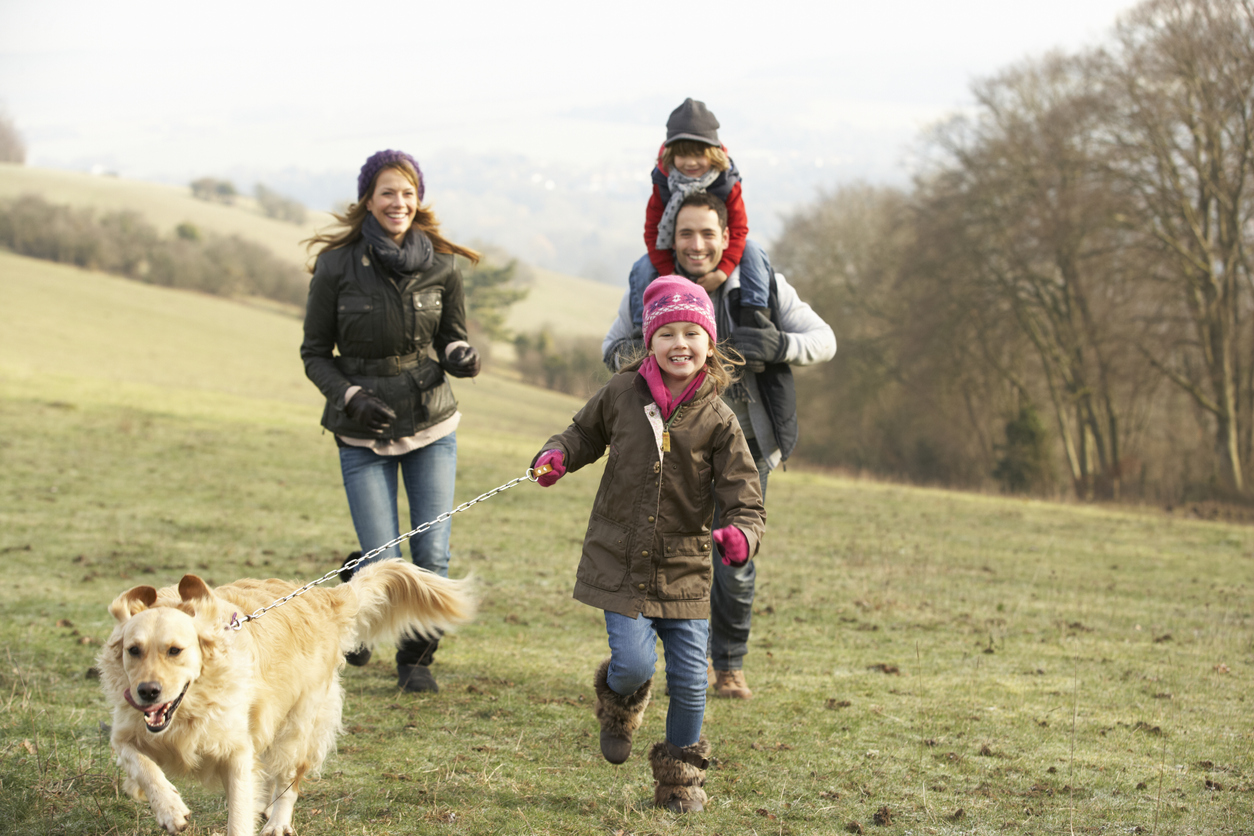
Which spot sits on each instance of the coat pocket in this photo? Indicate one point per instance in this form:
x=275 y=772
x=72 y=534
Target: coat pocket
x=604 y=561
x=426 y=308
x=355 y=331
x=685 y=571
x=432 y=396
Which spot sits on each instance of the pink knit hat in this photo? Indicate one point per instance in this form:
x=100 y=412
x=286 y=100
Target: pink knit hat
x=676 y=299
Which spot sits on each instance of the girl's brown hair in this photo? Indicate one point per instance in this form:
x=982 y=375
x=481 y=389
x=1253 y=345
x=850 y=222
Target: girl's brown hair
x=691 y=148
x=721 y=364
x=349 y=230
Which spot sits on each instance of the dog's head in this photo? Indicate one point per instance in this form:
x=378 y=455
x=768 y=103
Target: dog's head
x=159 y=647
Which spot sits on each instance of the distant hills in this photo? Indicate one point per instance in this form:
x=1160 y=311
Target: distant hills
x=573 y=305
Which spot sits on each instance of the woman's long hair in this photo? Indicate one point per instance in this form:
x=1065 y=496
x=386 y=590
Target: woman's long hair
x=349 y=229
x=722 y=364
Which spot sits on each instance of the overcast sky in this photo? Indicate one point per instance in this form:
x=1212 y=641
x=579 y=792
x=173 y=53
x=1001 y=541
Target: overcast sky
x=163 y=90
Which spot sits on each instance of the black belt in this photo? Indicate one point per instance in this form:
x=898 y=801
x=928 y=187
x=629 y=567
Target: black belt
x=379 y=367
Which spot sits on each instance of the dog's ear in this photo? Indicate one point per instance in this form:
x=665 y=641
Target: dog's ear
x=132 y=601
x=192 y=588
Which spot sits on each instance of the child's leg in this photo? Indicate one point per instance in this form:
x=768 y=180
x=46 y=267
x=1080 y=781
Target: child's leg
x=633 y=652
x=642 y=273
x=684 y=640
x=755 y=284
x=679 y=762
x=623 y=683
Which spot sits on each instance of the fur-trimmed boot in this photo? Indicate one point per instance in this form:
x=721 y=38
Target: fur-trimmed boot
x=619 y=716
x=680 y=775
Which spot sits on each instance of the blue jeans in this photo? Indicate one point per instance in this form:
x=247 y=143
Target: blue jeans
x=633 y=656
x=755 y=281
x=731 y=595
x=429 y=474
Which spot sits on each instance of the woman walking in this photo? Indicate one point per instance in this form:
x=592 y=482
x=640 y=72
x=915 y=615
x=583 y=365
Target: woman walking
x=386 y=292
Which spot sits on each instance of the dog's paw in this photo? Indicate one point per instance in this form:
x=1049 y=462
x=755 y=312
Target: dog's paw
x=172 y=815
x=278 y=829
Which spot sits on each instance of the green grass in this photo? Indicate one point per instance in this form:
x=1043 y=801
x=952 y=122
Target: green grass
x=972 y=664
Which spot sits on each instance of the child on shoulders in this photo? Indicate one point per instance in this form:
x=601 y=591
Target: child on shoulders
x=692 y=159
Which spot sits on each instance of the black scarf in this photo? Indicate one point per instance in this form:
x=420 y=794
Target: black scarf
x=412 y=256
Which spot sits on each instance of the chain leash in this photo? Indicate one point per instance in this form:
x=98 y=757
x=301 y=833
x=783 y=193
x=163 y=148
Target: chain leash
x=531 y=475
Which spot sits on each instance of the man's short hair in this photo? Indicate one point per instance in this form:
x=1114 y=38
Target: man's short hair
x=708 y=201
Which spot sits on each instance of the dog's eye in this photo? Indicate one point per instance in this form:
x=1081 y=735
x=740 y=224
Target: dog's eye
x=175 y=651
x=133 y=650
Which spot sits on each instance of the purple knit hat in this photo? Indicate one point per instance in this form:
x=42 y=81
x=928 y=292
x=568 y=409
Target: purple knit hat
x=384 y=159
x=676 y=299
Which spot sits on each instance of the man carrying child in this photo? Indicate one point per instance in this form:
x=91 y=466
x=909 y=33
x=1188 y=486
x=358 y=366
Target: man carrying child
x=787 y=333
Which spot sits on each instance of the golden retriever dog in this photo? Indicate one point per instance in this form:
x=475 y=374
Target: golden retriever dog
x=255 y=710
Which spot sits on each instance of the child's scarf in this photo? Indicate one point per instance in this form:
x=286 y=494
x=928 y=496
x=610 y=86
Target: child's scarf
x=661 y=394
x=681 y=185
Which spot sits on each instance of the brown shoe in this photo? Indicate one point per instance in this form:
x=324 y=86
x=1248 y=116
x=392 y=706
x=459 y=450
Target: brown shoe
x=732 y=684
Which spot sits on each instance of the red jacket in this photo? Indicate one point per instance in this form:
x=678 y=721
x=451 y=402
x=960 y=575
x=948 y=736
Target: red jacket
x=727 y=187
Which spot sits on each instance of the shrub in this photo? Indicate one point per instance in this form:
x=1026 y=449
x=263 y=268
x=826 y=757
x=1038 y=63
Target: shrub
x=124 y=244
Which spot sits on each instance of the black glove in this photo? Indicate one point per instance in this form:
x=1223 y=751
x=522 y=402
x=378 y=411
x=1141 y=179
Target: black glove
x=765 y=343
x=369 y=411
x=462 y=361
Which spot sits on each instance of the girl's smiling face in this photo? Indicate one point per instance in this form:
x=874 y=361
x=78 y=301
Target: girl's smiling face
x=680 y=349
x=692 y=165
x=393 y=203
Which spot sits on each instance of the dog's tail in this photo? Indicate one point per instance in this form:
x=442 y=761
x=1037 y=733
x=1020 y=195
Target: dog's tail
x=396 y=598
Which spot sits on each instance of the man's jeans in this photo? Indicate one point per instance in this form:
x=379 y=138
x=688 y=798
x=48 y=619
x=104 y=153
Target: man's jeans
x=633 y=657
x=370 y=481
x=731 y=596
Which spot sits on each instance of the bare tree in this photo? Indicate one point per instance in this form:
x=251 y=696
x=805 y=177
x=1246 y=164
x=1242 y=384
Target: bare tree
x=1183 y=143
x=1036 y=217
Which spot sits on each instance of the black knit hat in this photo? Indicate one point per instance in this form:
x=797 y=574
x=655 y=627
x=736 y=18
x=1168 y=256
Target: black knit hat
x=692 y=120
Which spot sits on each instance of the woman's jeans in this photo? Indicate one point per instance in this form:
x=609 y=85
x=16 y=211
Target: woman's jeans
x=371 y=483
x=633 y=657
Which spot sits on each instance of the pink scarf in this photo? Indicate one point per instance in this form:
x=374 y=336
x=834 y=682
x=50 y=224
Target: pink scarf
x=661 y=394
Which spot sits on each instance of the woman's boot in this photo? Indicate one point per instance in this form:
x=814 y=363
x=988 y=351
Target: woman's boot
x=680 y=775
x=619 y=716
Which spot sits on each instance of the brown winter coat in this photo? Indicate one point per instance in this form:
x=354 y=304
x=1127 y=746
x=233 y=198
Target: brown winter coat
x=648 y=544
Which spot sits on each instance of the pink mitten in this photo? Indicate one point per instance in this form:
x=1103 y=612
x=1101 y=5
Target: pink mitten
x=733 y=544
x=553 y=458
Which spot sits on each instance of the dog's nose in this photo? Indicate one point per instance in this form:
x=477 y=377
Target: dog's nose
x=148 y=691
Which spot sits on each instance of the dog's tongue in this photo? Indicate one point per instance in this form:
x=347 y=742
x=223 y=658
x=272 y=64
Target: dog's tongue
x=153 y=714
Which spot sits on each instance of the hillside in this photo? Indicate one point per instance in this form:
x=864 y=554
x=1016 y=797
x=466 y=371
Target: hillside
x=578 y=307
x=939 y=658
x=956 y=663
x=120 y=338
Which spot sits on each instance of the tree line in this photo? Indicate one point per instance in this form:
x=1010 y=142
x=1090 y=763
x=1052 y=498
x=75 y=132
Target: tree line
x=124 y=244
x=1062 y=300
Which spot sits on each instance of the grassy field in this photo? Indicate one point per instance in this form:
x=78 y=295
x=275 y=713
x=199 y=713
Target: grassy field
x=924 y=661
